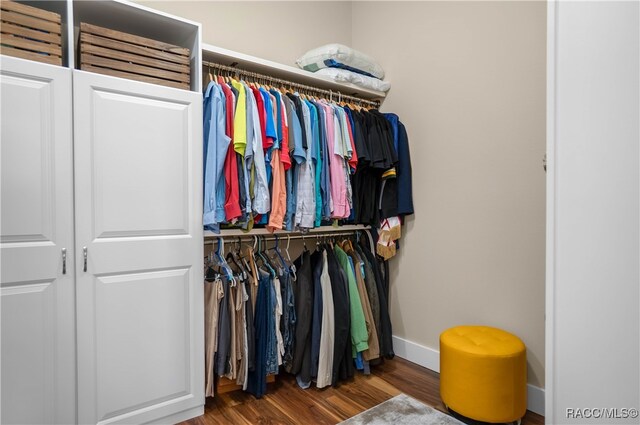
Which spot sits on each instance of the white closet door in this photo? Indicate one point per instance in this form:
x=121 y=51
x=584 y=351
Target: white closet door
x=138 y=175
x=37 y=296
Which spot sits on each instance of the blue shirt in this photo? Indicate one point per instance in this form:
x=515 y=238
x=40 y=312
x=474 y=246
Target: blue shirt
x=216 y=143
x=270 y=125
x=316 y=154
x=393 y=119
x=278 y=141
x=299 y=154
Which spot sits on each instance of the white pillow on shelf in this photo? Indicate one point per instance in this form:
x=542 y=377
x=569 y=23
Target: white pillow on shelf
x=344 y=76
x=339 y=56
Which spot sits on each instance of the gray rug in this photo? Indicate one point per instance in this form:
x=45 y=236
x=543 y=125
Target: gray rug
x=404 y=410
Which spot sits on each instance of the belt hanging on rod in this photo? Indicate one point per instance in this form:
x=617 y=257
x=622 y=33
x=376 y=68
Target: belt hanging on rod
x=263 y=77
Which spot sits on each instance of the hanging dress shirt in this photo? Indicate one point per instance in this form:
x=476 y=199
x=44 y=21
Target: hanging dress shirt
x=216 y=143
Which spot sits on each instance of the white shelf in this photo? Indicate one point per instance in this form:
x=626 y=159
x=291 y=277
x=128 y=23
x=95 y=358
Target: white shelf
x=263 y=66
x=322 y=229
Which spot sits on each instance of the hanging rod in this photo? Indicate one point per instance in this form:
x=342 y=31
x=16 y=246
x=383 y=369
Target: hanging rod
x=284 y=237
x=257 y=76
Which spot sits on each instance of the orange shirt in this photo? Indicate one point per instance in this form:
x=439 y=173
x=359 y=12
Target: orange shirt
x=278 y=193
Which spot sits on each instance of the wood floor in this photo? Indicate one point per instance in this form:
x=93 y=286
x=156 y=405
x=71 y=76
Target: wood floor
x=285 y=403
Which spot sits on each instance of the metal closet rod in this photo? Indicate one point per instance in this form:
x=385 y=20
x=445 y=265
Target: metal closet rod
x=257 y=76
x=212 y=240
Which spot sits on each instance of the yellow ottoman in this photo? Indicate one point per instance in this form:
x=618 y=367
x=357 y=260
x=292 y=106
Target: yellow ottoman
x=483 y=373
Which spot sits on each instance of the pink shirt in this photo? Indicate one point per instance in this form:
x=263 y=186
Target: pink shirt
x=339 y=203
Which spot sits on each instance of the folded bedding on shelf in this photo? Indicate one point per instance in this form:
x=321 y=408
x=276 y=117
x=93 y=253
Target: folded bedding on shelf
x=344 y=76
x=340 y=56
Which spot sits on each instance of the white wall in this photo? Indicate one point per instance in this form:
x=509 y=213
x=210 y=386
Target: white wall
x=280 y=31
x=468 y=81
x=593 y=329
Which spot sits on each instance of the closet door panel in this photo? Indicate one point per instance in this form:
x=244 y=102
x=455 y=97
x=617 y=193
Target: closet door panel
x=138 y=160
x=37 y=295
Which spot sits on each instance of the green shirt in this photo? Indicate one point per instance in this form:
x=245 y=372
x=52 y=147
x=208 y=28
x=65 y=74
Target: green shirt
x=359 y=335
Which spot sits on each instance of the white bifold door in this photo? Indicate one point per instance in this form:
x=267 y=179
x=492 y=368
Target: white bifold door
x=138 y=188
x=37 y=288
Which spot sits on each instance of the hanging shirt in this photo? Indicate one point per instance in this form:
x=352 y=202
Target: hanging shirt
x=239 y=168
x=240 y=119
x=298 y=106
x=270 y=127
x=317 y=160
x=359 y=336
x=279 y=193
x=274 y=110
x=246 y=168
x=403 y=169
x=338 y=201
x=295 y=143
x=353 y=158
x=306 y=198
x=324 y=175
x=261 y=115
x=232 y=194
x=255 y=156
x=284 y=156
x=216 y=144
x=276 y=100
x=320 y=166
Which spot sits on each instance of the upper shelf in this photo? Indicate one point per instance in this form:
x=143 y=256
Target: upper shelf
x=262 y=66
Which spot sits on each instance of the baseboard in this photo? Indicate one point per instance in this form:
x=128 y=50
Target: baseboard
x=416 y=353
x=535 y=399
x=430 y=358
x=185 y=415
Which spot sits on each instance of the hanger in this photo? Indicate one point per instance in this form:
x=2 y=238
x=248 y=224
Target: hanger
x=223 y=263
x=241 y=258
x=292 y=266
x=209 y=76
x=235 y=259
x=277 y=251
x=265 y=260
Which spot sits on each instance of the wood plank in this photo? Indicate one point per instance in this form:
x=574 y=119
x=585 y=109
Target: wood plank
x=33 y=45
x=135 y=39
x=96 y=40
x=263 y=412
x=30 y=11
x=383 y=385
x=30 y=22
x=345 y=406
x=134 y=69
x=128 y=57
x=9 y=28
x=137 y=77
x=309 y=410
x=24 y=54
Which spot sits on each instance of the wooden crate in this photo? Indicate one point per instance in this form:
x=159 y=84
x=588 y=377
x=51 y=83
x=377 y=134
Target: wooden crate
x=30 y=33
x=119 y=54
